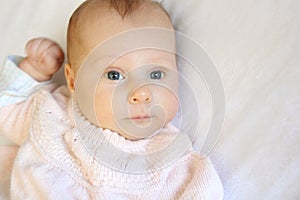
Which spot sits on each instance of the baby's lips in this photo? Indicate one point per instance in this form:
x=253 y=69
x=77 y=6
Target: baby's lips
x=136 y=117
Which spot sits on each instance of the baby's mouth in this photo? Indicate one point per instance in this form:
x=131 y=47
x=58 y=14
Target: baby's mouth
x=141 y=117
x=143 y=120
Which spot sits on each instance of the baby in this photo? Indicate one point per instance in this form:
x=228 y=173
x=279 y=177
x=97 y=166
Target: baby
x=107 y=135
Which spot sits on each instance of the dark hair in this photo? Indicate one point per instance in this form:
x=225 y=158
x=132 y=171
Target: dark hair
x=125 y=7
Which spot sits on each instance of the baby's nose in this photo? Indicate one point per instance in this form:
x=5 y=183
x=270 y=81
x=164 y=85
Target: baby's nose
x=141 y=95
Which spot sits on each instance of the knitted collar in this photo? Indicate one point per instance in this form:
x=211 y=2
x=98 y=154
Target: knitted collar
x=117 y=152
x=94 y=157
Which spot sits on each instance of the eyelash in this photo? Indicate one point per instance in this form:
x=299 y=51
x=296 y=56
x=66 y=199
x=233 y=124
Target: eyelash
x=109 y=75
x=120 y=76
x=161 y=76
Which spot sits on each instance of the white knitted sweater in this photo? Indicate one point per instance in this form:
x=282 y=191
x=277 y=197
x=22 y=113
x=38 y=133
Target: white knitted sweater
x=56 y=160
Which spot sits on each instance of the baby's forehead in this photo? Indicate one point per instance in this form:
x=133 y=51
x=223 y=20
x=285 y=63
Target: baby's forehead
x=93 y=24
x=147 y=55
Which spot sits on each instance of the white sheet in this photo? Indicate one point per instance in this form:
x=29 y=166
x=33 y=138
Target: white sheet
x=255 y=46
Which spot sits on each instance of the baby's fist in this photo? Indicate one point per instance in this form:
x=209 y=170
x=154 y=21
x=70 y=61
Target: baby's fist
x=44 y=58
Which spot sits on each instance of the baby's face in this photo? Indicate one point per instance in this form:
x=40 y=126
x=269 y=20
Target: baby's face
x=137 y=93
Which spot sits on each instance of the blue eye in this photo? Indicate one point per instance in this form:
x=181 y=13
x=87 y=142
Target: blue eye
x=157 y=74
x=114 y=75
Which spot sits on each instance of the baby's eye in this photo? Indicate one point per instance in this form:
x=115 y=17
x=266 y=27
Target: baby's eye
x=157 y=74
x=114 y=75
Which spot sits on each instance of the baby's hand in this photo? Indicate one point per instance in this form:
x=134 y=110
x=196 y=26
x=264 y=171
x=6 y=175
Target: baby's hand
x=44 y=58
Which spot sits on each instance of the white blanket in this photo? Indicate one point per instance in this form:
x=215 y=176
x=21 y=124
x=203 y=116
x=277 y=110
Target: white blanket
x=256 y=48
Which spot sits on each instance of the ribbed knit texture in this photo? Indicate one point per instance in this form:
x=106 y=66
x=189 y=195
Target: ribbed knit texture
x=59 y=161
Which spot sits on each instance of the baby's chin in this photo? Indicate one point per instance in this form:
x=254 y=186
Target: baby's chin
x=134 y=137
x=135 y=127
x=137 y=131
x=131 y=137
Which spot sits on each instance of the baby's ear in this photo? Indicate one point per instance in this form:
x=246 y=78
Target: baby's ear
x=70 y=78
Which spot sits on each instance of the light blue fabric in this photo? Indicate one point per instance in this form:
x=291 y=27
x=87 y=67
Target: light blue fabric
x=15 y=84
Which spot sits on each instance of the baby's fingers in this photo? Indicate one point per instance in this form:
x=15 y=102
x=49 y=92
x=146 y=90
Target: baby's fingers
x=32 y=47
x=51 y=59
x=45 y=55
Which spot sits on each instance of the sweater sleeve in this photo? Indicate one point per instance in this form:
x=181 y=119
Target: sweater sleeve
x=16 y=90
x=15 y=84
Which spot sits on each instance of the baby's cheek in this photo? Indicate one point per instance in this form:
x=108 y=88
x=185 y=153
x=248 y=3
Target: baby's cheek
x=169 y=103
x=173 y=106
x=103 y=106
